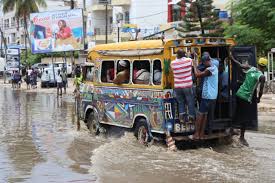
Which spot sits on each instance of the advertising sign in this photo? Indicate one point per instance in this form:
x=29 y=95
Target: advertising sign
x=13 y=59
x=56 y=31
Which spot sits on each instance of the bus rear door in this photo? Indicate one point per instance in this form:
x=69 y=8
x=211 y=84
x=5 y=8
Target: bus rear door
x=244 y=54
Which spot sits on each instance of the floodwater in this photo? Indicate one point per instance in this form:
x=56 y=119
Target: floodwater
x=39 y=143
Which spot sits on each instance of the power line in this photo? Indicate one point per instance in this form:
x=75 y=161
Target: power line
x=149 y=15
x=139 y=17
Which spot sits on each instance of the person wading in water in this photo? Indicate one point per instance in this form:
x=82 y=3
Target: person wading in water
x=253 y=76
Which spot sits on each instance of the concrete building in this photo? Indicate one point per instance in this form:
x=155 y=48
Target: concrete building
x=143 y=14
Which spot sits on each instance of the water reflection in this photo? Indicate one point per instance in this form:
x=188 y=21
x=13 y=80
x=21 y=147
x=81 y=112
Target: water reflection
x=36 y=134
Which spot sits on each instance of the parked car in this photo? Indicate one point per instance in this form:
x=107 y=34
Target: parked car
x=39 y=67
x=68 y=66
x=52 y=81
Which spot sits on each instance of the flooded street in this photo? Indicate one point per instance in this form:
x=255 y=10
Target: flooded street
x=39 y=143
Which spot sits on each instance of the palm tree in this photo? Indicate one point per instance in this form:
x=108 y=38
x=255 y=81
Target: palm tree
x=23 y=8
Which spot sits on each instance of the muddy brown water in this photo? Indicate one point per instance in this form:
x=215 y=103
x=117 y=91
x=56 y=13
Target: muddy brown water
x=39 y=143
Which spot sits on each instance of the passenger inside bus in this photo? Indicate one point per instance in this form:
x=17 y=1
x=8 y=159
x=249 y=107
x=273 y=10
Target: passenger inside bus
x=141 y=74
x=223 y=82
x=107 y=71
x=157 y=72
x=123 y=72
x=89 y=74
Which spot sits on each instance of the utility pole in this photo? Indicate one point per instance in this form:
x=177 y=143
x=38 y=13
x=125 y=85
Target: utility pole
x=106 y=22
x=118 y=33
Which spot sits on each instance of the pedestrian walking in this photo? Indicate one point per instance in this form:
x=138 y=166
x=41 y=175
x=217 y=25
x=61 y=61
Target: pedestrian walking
x=17 y=79
x=209 y=94
x=27 y=80
x=5 y=75
x=13 y=82
x=47 y=79
x=33 y=79
x=253 y=76
x=183 y=84
x=59 y=83
x=64 y=79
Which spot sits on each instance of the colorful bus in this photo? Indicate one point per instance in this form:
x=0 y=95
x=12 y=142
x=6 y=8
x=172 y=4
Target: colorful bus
x=149 y=107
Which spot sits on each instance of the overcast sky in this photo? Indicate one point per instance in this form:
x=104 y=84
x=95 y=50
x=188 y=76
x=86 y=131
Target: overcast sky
x=220 y=3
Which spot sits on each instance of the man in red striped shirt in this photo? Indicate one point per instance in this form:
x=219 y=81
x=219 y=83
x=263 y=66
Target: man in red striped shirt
x=183 y=84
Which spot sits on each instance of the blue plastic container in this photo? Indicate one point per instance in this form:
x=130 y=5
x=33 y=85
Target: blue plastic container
x=223 y=14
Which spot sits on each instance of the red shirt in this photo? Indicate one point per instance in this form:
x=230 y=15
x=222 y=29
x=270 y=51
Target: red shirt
x=64 y=33
x=182 y=69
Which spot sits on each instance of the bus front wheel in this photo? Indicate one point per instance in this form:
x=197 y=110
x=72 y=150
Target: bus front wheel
x=142 y=133
x=93 y=123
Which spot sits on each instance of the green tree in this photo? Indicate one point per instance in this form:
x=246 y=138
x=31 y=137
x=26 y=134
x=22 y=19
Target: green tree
x=200 y=17
x=23 y=8
x=253 y=23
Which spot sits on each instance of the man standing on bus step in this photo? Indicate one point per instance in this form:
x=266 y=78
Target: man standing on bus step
x=209 y=94
x=183 y=84
x=253 y=76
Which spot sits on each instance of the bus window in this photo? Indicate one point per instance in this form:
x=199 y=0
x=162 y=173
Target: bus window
x=157 y=72
x=141 y=72
x=88 y=73
x=107 y=71
x=123 y=72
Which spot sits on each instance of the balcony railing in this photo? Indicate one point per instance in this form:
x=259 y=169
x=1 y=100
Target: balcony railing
x=101 y=30
x=103 y=2
x=121 y=2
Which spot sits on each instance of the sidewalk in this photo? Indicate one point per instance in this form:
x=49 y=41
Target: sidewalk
x=52 y=90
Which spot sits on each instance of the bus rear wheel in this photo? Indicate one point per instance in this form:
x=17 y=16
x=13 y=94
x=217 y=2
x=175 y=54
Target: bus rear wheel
x=142 y=133
x=93 y=123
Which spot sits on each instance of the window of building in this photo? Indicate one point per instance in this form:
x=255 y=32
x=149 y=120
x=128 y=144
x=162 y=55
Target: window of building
x=157 y=72
x=176 y=12
x=141 y=72
x=107 y=71
x=21 y=22
x=13 y=37
x=6 y=23
x=13 y=20
x=97 y=31
x=22 y=39
x=127 y=17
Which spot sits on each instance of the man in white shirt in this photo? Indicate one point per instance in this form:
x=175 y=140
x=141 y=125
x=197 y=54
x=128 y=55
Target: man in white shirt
x=47 y=79
x=59 y=82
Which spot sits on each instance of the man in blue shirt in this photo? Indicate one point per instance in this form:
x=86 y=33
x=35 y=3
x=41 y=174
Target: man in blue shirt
x=209 y=94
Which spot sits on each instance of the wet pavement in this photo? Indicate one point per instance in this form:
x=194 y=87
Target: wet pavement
x=39 y=143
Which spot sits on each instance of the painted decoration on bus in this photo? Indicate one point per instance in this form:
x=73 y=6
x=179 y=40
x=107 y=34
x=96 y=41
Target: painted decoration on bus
x=120 y=106
x=56 y=31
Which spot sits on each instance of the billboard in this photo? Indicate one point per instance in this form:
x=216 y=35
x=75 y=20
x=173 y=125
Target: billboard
x=56 y=31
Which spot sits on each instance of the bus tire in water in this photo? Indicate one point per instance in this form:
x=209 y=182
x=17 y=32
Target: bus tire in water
x=93 y=123
x=142 y=132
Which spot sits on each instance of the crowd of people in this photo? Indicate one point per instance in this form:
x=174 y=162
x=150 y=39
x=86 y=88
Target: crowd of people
x=213 y=83
x=16 y=78
x=30 y=77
